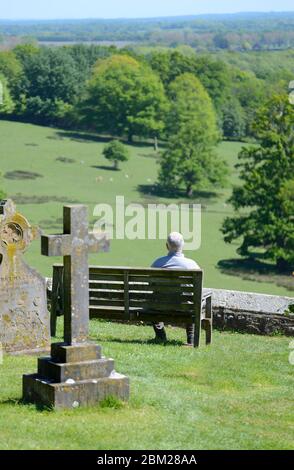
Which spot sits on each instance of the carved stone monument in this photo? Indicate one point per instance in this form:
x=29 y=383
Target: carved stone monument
x=76 y=374
x=24 y=319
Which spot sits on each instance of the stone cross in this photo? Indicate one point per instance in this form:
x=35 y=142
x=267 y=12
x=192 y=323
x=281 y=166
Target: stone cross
x=74 y=245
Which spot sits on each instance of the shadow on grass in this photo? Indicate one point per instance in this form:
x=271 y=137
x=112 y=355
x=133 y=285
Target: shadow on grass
x=24 y=403
x=81 y=136
x=104 y=167
x=143 y=341
x=158 y=191
x=257 y=270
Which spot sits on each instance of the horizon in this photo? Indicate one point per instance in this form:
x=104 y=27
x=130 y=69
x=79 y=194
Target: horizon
x=200 y=15
x=32 y=10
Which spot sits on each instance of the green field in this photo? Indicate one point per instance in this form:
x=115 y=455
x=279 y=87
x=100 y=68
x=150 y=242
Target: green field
x=88 y=179
x=236 y=394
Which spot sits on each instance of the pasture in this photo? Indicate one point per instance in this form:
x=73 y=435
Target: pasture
x=44 y=168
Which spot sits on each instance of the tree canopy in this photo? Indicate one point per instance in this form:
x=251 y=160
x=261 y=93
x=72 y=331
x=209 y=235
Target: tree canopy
x=125 y=97
x=116 y=152
x=190 y=160
x=264 y=219
x=6 y=102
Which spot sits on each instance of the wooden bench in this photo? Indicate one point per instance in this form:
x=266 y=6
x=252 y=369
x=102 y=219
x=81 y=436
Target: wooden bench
x=143 y=294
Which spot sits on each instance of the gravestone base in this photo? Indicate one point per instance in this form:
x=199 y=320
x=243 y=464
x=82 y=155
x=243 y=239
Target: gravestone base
x=74 y=376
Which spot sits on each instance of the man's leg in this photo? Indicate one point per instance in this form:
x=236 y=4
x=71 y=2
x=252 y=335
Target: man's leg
x=190 y=334
x=159 y=330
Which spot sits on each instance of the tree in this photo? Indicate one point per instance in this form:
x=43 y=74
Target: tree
x=51 y=74
x=49 y=86
x=264 y=203
x=213 y=74
x=6 y=102
x=10 y=67
x=220 y=41
x=190 y=160
x=233 y=119
x=125 y=98
x=116 y=152
x=251 y=94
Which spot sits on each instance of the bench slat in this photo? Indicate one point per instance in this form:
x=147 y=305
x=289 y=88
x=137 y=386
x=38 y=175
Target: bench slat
x=106 y=303
x=136 y=315
x=145 y=295
x=141 y=271
x=161 y=307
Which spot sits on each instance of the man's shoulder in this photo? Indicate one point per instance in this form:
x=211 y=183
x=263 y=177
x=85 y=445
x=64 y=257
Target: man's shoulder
x=175 y=262
x=190 y=263
x=160 y=262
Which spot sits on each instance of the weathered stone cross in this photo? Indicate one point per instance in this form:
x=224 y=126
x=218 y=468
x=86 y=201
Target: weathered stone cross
x=74 y=245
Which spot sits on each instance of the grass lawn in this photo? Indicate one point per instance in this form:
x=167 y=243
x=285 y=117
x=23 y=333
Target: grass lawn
x=236 y=394
x=71 y=167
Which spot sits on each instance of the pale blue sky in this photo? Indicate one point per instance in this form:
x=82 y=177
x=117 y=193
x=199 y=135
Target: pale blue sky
x=24 y=9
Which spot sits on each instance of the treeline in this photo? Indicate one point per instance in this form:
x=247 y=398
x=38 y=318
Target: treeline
x=265 y=31
x=53 y=86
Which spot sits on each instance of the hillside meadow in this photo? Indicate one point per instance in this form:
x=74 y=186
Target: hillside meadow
x=45 y=168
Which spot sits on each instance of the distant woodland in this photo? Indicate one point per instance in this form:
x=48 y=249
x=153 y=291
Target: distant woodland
x=244 y=31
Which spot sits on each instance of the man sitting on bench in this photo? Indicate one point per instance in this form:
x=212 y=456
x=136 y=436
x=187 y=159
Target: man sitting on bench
x=175 y=259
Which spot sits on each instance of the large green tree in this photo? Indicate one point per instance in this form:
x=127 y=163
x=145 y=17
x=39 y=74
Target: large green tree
x=6 y=102
x=124 y=98
x=190 y=160
x=10 y=67
x=264 y=219
x=213 y=74
x=49 y=86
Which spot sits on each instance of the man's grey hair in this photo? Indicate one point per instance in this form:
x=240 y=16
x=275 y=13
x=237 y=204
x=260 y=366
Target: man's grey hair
x=175 y=242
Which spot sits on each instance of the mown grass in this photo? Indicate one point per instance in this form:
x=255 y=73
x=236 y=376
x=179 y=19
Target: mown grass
x=236 y=394
x=70 y=168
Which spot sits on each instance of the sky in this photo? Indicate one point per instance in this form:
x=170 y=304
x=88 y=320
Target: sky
x=55 y=9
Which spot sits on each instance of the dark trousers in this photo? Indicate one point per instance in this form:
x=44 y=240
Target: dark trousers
x=161 y=333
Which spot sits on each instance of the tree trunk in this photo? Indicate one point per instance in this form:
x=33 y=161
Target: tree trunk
x=189 y=190
x=115 y=164
x=282 y=264
x=130 y=138
x=155 y=144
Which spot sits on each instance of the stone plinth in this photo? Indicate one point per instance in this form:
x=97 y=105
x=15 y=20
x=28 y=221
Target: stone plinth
x=74 y=376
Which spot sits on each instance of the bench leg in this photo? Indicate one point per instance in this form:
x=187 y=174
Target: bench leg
x=208 y=320
x=53 y=321
x=197 y=331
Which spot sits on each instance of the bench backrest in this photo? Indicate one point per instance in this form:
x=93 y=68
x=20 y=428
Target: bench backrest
x=146 y=294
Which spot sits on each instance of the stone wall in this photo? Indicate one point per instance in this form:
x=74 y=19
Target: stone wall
x=253 y=313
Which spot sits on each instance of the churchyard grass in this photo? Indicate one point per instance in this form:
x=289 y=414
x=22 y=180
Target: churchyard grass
x=68 y=167
x=237 y=394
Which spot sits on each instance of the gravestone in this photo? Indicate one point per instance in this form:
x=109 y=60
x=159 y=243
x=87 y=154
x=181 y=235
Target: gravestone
x=76 y=374
x=24 y=319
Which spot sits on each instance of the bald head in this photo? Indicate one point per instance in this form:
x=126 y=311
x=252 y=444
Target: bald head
x=175 y=242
